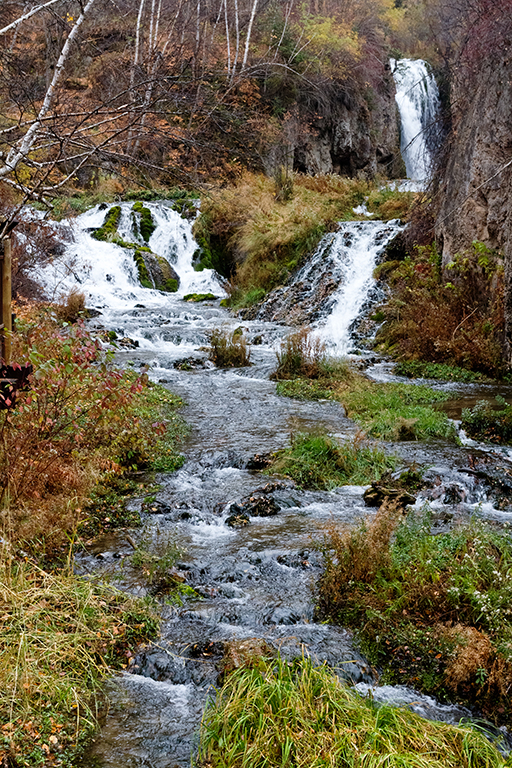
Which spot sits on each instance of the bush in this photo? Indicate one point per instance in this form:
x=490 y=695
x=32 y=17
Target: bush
x=81 y=417
x=301 y=354
x=432 y=610
x=228 y=350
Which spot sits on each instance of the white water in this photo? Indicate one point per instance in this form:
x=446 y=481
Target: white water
x=107 y=274
x=417 y=98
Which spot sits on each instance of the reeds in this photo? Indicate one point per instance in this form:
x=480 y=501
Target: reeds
x=228 y=349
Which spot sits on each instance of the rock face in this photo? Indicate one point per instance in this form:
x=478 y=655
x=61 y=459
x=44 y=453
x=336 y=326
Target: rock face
x=476 y=187
x=351 y=134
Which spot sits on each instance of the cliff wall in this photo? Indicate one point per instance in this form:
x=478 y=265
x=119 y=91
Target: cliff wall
x=475 y=192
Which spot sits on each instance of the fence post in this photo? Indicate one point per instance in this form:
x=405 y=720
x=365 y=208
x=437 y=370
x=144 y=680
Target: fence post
x=6 y=318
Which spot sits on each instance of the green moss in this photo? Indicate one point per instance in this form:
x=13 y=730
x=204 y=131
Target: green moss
x=142 y=269
x=171 y=285
x=108 y=229
x=195 y=297
x=146 y=224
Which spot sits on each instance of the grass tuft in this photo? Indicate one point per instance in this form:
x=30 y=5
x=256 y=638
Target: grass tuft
x=295 y=714
x=228 y=350
x=320 y=462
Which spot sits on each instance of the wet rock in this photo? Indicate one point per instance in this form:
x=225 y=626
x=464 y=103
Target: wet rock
x=244 y=653
x=454 y=494
x=237 y=517
x=377 y=494
x=260 y=506
x=259 y=461
x=156 y=508
x=128 y=343
x=297 y=560
x=190 y=364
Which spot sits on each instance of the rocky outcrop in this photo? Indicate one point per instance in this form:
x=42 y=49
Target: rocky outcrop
x=352 y=133
x=476 y=184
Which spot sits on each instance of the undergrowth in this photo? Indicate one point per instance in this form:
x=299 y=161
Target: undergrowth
x=318 y=461
x=295 y=714
x=257 y=241
x=417 y=369
x=60 y=635
x=432 y=610
x=81 y=418
x=451 y=315
x=486 y=423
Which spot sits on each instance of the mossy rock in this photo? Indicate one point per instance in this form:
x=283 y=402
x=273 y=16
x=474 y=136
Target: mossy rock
x=108 y=230
x=146 y=226
x=195 y=297
x=155 y=271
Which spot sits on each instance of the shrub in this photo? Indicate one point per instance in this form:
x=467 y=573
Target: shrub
x=483 y=422
x=432 y=610
x=71 y=307
x=320 y=462
x=301 y=354
x=228 y=350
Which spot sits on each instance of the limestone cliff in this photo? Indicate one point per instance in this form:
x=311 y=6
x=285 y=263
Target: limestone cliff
x=475 y=193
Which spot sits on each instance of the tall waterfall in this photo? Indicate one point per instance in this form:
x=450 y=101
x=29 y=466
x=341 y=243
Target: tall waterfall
x=417 y=98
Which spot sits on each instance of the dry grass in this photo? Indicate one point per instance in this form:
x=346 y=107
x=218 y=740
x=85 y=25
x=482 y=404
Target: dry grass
x=300 y=354
x=59 y=636
x=228 y=349
x=71 y=307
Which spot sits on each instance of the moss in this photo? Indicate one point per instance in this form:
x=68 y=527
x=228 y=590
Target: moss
x=144 y=278
x=195 y=297
x=108 y=229
x=146 y=224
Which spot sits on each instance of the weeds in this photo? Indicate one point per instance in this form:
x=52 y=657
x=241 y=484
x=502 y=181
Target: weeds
x=432 y=610
x=483 y=422
x=59 y=637
x=71 y=307
x=228 y=349
x=320 y=462
x=300 y=354
x=283 y=713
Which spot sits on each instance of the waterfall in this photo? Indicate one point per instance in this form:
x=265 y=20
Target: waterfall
x=417 y=98
x=107 y=274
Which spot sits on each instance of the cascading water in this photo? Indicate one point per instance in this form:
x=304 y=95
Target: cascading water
x=254 y=581
x=417 y=98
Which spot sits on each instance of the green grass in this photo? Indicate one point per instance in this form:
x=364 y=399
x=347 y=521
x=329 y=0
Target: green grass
x=389 y=411
x=294 y=714
x=485 y=423
x=318 y=461
x=416 y=369
x=432 y=610
x=228 y=349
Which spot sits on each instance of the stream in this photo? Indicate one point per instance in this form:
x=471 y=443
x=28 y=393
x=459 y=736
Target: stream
x=255 y=583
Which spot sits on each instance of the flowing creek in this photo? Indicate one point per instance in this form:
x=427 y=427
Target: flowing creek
x=256 y=581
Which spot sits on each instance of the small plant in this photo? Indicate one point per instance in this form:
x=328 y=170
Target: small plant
x=300 y=354
x=320 y=462
x=156 y=553
x=228 y=349
x=71 y=307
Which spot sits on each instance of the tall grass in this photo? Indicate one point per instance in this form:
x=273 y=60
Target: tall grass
x=294 y=714
x=300 y=354
x=228 y=349
x=60 y=635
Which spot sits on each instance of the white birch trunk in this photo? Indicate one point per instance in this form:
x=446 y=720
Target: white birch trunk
x=249 y=30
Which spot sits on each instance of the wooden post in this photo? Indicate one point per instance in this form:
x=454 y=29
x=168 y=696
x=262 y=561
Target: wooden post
x=6 y=318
